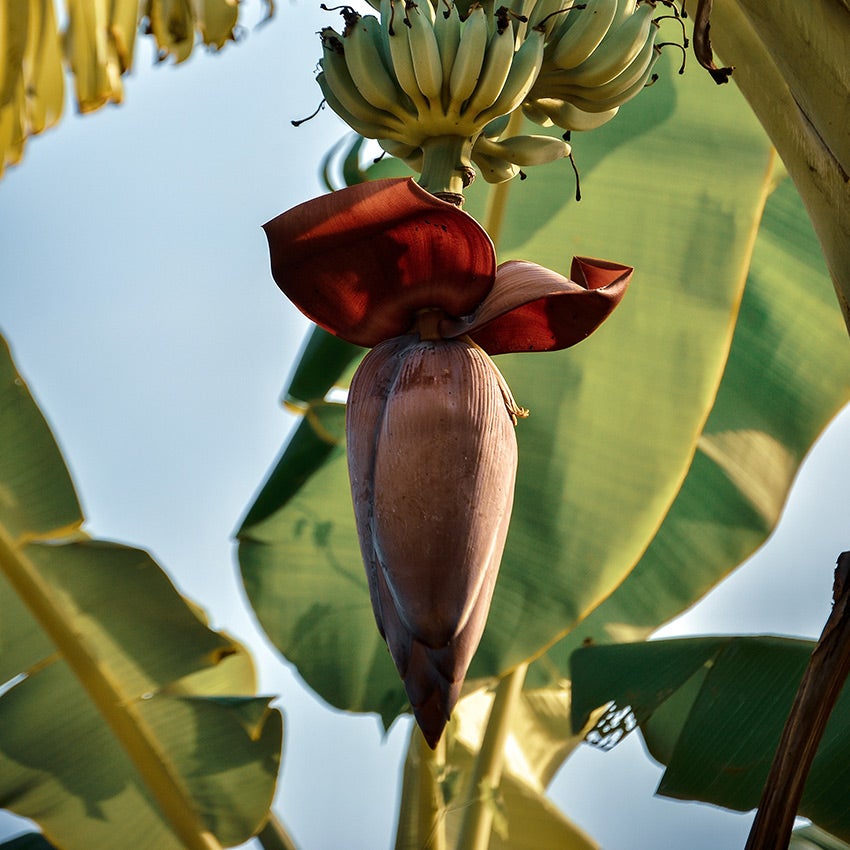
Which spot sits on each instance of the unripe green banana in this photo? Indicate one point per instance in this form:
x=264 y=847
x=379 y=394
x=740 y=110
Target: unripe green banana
x=408 y=154
x=493 y=169
x=523 y=72
x=526 y=150
x=367 y=128
x=494 y=73
x=586 y=34
x=547 y=14
x=625 y=9
x=570 y=117
x=617 y=50
x=576 y=96
x=363 y=56
x=469 y=59
x=534 y=113
x=447 y=33
x=424 y=53
x=340 y=82
x=616 y=86
x=399 y=45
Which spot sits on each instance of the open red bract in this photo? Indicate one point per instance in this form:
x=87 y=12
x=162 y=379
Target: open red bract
x=363 y=261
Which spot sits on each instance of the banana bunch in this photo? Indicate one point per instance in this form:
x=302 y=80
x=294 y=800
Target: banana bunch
x=599 y=54
x=429 y=71
x=422 y=73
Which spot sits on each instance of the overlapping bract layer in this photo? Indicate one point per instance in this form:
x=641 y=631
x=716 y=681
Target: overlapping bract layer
x=431 y=448
x=426 y=70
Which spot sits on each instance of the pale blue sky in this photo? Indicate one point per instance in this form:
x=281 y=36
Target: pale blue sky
x=136 y=296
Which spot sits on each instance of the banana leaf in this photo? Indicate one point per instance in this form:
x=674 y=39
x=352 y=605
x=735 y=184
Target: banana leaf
x=750 y=448
x=712 y=711
x=791 y=64
x=98 y=45
x=124 y=719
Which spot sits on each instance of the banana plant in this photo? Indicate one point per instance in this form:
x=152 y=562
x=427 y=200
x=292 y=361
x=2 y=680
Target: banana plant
x=563 y=568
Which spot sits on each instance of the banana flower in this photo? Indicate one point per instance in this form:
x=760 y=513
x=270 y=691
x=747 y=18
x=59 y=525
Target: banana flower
x=430 y=421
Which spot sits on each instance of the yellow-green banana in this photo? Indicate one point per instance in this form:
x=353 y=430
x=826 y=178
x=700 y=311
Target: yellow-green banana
x=494 y=73
x=585 y=35
x=547 y=14
x=362 y=46
x=367 y=128
x=447 y=33
x=526 y=150
x=623 y=81
x=339 y=81
x=399 y=45
x=523 y=72
x=617 y=50
x=424 y=53
x=493 y=169
x=577 y=95
x=569 y=117
x=469 y=59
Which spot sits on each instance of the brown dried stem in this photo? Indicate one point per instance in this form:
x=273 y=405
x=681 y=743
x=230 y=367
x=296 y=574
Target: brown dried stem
x=819 y=690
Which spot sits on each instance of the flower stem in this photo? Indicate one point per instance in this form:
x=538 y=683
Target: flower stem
x=487 y=775
x=446 y=168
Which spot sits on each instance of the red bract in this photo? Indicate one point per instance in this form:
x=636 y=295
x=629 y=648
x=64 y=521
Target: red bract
x=431 y=446
x=362 y=262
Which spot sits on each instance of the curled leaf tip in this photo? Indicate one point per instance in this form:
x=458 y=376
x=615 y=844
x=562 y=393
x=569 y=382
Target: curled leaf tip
x=702 y=44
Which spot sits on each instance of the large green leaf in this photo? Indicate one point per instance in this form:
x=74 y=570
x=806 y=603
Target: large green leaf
x=790 y=62
x=580 y=452
x=712 y=710
x=750 y=448
x=123 y=718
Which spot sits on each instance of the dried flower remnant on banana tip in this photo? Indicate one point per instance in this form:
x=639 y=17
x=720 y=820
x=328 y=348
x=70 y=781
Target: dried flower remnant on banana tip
x=434 y=82
x=430 y=424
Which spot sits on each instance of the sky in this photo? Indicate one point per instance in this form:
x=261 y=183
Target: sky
x=136 y=296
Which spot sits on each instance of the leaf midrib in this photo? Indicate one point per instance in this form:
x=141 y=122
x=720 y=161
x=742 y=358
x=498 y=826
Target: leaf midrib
x=115 y=706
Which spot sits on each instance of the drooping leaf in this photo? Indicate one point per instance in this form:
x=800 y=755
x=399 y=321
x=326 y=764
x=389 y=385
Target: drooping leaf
x=98 y=46
x=712 y=710
x=580 y=452
x=791 y=64
x=123 y=718
x=539 y=741
x=788 y=338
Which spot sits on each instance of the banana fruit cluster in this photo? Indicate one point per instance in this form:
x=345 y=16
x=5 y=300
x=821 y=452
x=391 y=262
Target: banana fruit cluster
x=599 y=55
x=426 y=71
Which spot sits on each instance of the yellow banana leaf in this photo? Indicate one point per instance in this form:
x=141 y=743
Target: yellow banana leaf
x=124 y=719
x=539 y=740
x=790 y=63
